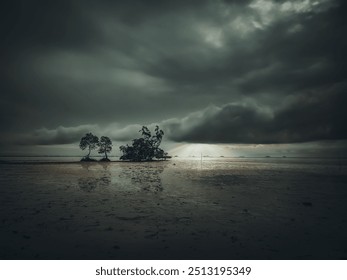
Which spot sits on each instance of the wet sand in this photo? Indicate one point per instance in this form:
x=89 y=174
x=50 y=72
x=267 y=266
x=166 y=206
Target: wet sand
x=177 y=209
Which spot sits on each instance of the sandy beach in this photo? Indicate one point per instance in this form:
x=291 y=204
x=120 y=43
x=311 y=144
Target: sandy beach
x=223 y=208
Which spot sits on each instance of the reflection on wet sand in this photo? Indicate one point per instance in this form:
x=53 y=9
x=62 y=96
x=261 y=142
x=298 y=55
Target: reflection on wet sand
x=146 y=177
x=93 y=179
x=228 y=209
x=142 y=176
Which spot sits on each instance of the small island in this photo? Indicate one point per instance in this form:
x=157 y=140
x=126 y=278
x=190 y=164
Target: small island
x=145 y=148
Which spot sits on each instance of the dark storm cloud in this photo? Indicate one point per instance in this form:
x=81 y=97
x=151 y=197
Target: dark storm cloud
x=61 y=135
x=274 y=71
x=72 y=135
x=307 y=118
x=315 y=116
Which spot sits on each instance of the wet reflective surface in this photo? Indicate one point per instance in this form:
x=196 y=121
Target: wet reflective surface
x=178 y=209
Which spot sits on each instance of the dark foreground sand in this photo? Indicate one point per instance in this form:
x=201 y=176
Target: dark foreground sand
x=178 y=209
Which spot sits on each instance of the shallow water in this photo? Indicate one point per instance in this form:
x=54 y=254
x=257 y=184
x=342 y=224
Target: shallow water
x=272 y=208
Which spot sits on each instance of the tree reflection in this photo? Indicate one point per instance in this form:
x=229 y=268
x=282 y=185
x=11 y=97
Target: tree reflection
x=144 y=175
x=94 y=179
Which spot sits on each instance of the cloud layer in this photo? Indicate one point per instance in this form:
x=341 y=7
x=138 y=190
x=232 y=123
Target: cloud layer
x=255 y=71
x=303 y=119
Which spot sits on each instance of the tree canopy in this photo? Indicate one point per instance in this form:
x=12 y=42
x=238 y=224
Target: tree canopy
x=90 y=142
x=145 y=148
x=105 y=146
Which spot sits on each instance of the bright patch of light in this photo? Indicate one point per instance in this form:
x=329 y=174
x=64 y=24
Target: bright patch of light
x=201 y=150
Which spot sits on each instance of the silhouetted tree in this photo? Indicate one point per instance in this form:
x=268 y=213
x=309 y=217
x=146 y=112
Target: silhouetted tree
x=144 y=148
x=105 y=146
x=90 y=142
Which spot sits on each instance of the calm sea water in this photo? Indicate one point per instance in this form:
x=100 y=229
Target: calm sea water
x=204 y=161
x=48 y=158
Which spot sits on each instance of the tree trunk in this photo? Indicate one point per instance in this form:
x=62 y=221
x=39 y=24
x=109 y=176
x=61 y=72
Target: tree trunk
x=105 y=154
x=89 y=153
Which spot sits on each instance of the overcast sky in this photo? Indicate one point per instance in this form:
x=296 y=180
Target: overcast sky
x=231 y=72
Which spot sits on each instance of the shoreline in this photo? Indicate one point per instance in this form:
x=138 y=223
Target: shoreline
x=337 y=161
x=75 y=162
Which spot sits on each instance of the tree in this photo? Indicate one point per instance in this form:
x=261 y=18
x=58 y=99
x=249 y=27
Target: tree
x=144 y=148
x=90 y=142
x=105 y=146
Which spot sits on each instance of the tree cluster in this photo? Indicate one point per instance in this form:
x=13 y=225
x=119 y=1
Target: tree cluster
x=91 y=142
x=145 y=148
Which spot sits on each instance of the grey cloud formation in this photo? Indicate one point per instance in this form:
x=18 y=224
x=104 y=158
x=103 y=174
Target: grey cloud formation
x=43 y=136
x=302 y=119
x=257 y=71
x=307 y=118
x=60 y=135
x=71 y=135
